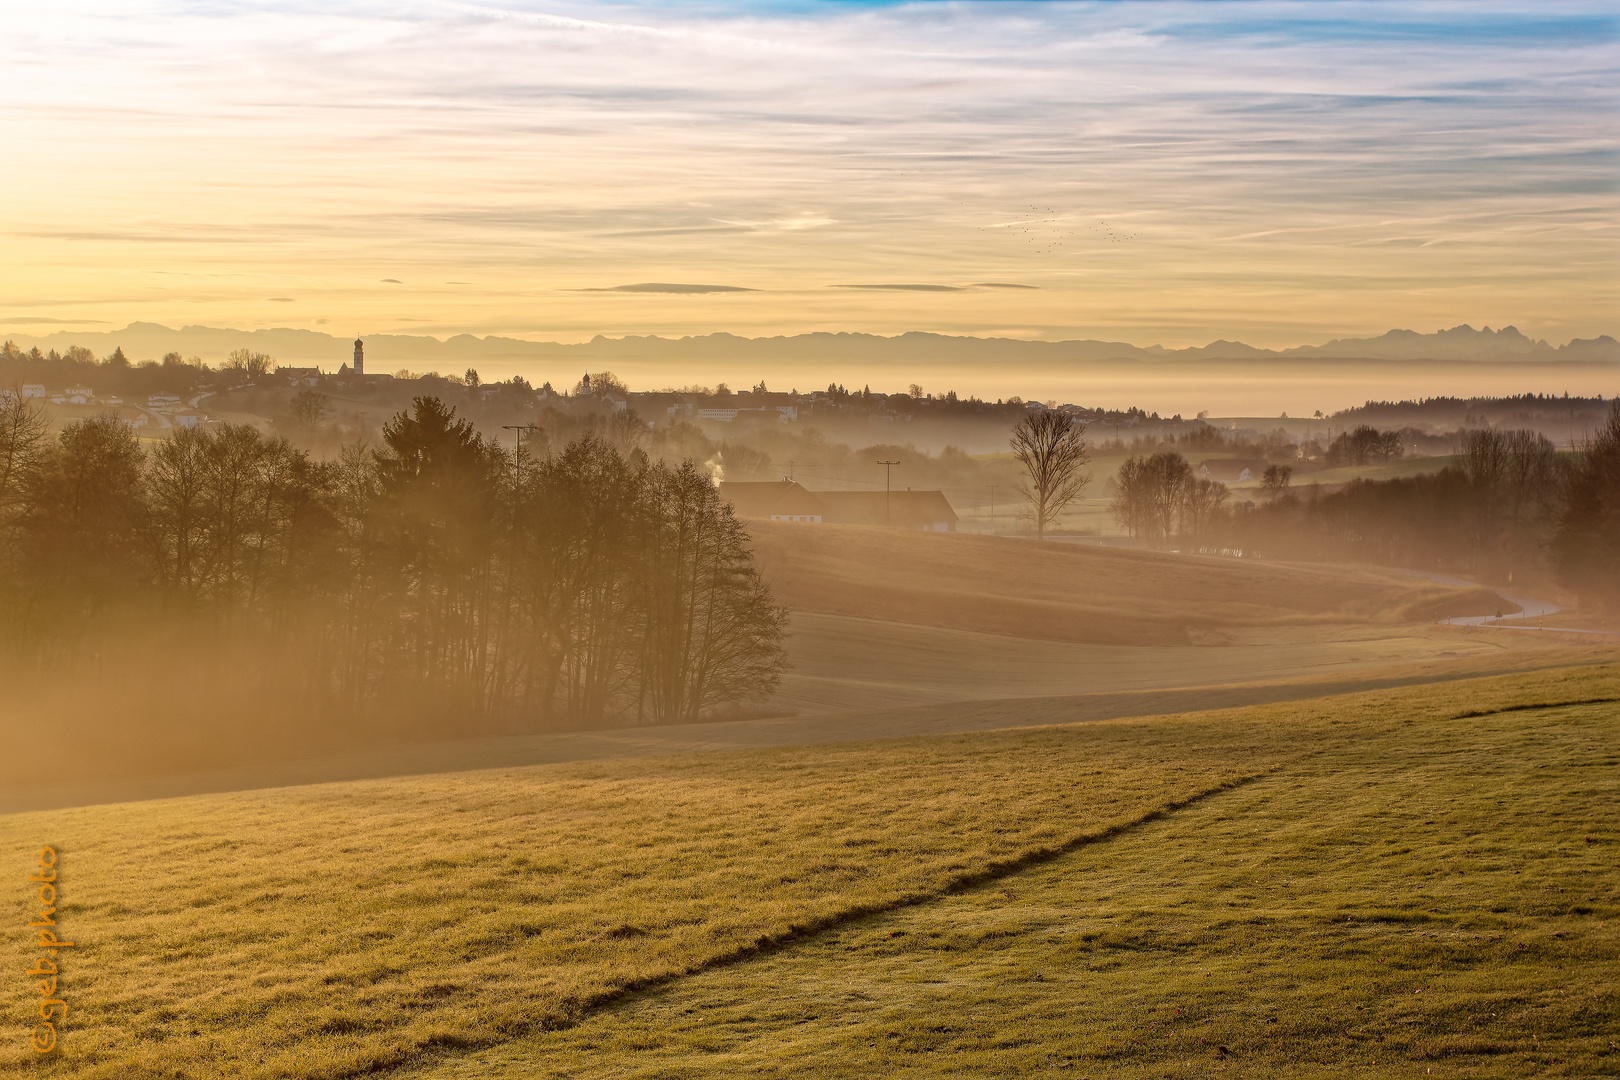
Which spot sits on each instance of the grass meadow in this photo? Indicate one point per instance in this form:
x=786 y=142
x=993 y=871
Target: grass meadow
x=1428 y=902
x=1356 y=881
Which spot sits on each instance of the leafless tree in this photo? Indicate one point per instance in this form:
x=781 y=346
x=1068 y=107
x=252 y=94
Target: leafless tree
x=1052 y=449
x=22 y=442
x=1276 y=479
x=1151 y=495
x=1485 y=458
x=713 y=632
x=250 y=364
x=80 y=552
x=1201 y=500
x=1531 y=469
x=1586 y=548
x=308 y=408
x=1365 y=445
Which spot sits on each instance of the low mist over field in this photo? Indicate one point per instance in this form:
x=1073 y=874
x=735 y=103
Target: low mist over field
x=836 y=540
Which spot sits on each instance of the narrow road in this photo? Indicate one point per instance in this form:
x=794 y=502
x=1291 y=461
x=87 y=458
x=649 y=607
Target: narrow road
x=1531 y=608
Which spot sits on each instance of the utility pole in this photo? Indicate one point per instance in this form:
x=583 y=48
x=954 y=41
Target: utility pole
x=518 y=439
x=886 y=466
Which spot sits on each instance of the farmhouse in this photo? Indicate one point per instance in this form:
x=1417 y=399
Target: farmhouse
x=780 y=500
x=785 y=500
x=929 y=511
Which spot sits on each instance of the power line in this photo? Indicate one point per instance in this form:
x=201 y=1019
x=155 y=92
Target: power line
x=517 y=460
x=886 y=466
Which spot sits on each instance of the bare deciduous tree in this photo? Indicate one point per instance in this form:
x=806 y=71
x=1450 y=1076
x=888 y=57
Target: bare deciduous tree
x=1586 y=548
x=1052 y=449
x=713 y=632
x=22 y=442
x=1200 y=502
x=308 y=408
x=251 y=364
x=1151 y=497
x=1276 y=479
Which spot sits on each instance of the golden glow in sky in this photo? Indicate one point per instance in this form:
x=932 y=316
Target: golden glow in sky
x=1280 y=173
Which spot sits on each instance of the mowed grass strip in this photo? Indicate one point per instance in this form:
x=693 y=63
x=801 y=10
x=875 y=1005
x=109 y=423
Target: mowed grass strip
x=1440 y=899
x=336 y=930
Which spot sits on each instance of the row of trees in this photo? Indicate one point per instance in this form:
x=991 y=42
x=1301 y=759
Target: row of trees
x=117 y=373
x=1365 y=445
x=1159 y=497
x=1512 y=506
x=429 y=575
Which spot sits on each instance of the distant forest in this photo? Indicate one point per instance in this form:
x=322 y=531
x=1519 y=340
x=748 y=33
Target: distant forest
x=1563 y=419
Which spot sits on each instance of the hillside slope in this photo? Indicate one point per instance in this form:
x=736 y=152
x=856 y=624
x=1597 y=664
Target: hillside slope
x=1080 y=593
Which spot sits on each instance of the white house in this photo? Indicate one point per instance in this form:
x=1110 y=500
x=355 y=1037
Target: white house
x=300 y=376
x=163 y=401
x=1231 y=470
x=34 y=390
x=79 y=395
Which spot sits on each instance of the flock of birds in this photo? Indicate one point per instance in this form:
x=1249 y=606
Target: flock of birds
x=1044 y=231
x=1109 y=234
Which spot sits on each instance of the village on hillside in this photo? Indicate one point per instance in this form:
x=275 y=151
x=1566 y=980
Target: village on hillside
x=913 y=459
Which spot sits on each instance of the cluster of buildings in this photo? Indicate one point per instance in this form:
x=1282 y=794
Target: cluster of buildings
x=1232 y=470
x=161 y=410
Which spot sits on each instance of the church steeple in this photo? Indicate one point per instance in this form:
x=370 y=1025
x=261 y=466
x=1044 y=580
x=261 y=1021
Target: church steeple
x=359 y=357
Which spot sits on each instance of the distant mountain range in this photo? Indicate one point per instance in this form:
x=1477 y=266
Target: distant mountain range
x=385 y=352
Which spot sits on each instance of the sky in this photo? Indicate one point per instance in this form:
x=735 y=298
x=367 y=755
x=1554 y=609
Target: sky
x=1173 y=173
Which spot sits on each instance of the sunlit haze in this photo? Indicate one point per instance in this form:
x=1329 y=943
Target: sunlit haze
x=1160 y=173
x=762 y=538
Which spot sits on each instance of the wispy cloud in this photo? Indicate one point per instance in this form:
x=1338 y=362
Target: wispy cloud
x=1152 y=170
x=903 y=288
x=670 y=287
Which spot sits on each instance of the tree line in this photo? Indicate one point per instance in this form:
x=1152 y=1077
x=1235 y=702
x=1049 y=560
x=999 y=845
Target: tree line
x=430 y=575
x=1512 y=505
